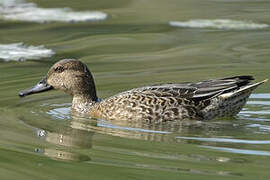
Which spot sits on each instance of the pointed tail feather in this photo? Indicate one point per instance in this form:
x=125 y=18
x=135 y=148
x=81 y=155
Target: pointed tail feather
x=245 y=89
x=229 y=104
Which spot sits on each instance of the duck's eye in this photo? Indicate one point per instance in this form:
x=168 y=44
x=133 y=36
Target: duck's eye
x=59 y=69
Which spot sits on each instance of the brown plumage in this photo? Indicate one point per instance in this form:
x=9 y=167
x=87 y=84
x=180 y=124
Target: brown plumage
x=158 y=103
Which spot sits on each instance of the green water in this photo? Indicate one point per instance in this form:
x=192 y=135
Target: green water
x=135 y=46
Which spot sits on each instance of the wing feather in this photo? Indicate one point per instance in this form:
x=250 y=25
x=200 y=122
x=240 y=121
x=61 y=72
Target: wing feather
x=196 y=91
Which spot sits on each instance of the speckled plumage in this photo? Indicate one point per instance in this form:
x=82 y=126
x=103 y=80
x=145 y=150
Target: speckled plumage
x=158 y=103
x=175 y=101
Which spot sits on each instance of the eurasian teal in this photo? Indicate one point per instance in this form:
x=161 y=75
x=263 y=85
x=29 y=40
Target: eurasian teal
x=158 y=103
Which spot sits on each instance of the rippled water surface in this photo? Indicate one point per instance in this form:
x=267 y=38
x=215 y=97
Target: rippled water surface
x=128 y=44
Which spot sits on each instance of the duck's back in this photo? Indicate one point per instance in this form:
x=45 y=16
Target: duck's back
x=202 y=100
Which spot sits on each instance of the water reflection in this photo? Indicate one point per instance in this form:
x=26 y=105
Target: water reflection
x=227 y=140
x=215 y=132
x=240 y=151
x=136 y=129
x=75 y=134
x=63 y=155
x=67 y=140
x=80 y=132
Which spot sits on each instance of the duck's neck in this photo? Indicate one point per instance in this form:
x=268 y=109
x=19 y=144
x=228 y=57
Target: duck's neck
x=86 y=97
x=83 y=103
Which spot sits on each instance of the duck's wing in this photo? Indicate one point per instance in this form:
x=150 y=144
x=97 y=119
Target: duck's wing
x=196 y=91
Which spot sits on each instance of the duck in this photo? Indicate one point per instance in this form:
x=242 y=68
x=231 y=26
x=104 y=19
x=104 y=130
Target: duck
x=204 y=100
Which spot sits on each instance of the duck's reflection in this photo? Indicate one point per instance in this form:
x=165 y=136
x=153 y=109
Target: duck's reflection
x=64 y=155
x=145 y=131
x=69 y=142
x=139 y=129
x=70 y=137
x=75 y=135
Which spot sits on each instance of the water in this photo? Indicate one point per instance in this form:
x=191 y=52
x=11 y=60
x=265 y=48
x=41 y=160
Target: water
x=132 y=47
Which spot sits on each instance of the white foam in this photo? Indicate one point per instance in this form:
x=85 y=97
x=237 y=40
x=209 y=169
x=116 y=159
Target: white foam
x=21 y=52
x=219 y=24
x=22 y=11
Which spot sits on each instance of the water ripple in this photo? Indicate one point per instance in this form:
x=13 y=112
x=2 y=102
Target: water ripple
x=227 y=140
x=219 y=24
x=260 y=127
x=239 y=151
x=260 y=96
x=257 y=108
x=103 y=123
x=263 y=103
x=60 y=112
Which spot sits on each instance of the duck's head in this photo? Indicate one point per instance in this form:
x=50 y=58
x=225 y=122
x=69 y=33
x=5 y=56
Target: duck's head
x=69 y=75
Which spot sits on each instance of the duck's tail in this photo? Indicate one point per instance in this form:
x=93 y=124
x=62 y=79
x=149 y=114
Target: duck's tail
x=243 y=90
x=230 y=103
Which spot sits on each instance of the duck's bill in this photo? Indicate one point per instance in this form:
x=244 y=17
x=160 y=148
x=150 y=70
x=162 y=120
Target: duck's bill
x=42 y=86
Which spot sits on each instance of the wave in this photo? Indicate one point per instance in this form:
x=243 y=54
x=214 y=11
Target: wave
x=21 y=52
x=103 y=123
x=226 y=140
x=261 y=127
x=22 y=11
x=239 y=151
x=260 y=96
x=219 y=24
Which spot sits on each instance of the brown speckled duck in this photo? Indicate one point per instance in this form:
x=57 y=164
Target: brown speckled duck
x=158 y=103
